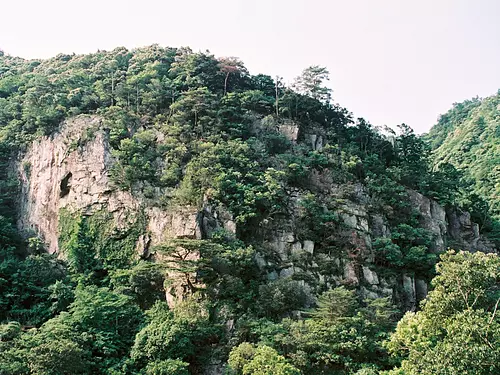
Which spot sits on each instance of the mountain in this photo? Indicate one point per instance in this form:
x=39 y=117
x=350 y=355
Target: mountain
x=163 y=211
x=468 y=137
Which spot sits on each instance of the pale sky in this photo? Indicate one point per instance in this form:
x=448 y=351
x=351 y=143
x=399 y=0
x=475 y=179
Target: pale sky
x=390 y=61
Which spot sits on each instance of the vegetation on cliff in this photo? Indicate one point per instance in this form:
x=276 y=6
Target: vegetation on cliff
x=187 y=128
x=468 y=137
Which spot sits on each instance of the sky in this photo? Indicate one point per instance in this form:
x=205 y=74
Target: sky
x=390 y=61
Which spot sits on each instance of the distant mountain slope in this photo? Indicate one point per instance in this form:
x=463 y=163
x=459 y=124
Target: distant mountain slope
x=468 y=136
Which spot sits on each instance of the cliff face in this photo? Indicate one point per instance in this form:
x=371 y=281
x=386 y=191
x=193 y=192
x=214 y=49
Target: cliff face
x=70 y=170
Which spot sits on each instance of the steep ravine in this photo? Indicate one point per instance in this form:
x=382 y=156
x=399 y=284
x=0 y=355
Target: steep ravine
x=70 y=171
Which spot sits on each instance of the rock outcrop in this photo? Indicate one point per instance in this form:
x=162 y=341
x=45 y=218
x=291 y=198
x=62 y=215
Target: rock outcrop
x=70 y=170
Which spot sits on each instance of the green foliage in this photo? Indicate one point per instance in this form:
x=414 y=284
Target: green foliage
x=468 y=138
x=408 y=248
x=341 y=336
x=317 y=221
x=110 y=318
x=229 y=174
x=413 y=156
x=144 y=282
x=91 y=337
x=448 y=122
x=167 y=367
x=246 y=359
x=8 y=183
x=310 y=83
x=93 y=242
x=136 y=160
x=25 y=283
x=335 y=304
x=52 y=349
x=183 y=334
x=187 y=128
x=458 y=329
x=280 y=298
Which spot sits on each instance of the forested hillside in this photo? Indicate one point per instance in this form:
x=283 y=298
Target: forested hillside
x=211 y=221
x=468 y=136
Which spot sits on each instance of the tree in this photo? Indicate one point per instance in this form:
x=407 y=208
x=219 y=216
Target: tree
x=167 y=367
x=277 y=92
x=231 y=65
x=245 y=359
x=194 y=113
x=413 y=158
x=144 y=282
x=335 y=304
x=54 y=349
x=310 y=83
x=279 y=298
x=340 y=336
x=182 y=334
x=458 y=329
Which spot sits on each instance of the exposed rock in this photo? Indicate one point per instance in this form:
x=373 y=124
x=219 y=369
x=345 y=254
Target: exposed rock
x=363 y=224
x=272 y=275
x=260 y=261
x=379 y=227
x=181 y=222
x=309 y=246
x=370 y=276
x=63 y=174
x=289 y=129
x=368 y=294
x=409 y=297
x=421 y=289
x=465 y=234
x=289 y=237
x=281 y=243
x=296 y=249
x=350 y=276
x=69 y=170
x=230 y=226
x=385 y=292
x=350 y=220
x=316 y=142
x=286 y=272
x=179 y=284
x=433 y=218
x=143 y=246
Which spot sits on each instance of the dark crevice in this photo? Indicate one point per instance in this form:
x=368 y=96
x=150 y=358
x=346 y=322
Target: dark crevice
x=65 y=185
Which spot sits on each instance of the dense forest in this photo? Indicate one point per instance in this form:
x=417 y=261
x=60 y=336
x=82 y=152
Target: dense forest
x=188 y=129
x=468 y=137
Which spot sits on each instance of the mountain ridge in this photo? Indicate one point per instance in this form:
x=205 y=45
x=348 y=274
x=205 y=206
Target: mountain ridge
x=178 y=215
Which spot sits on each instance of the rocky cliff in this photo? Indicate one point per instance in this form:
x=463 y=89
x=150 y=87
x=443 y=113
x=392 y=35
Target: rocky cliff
x=70 y=171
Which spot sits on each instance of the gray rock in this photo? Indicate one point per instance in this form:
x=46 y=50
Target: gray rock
x=409 y=293
x=368 y=294
x=261 y=262
x=289 y=129
x=421 y=289
x=350 y=276
x=296 y=248
x=370 y=276
x=308 y=246
x=285 y=272
x=350 y=220
x=271 y=276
